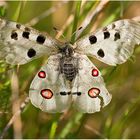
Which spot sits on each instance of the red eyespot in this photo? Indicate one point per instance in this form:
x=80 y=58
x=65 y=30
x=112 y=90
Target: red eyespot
x=93 y=92
x=42 y=74
x=46 y=93
x=95 y=72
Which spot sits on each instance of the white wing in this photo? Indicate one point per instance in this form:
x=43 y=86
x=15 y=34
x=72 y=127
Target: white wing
x=113 y=44
x=20 y=44
x=49 y=91
x=89 y=91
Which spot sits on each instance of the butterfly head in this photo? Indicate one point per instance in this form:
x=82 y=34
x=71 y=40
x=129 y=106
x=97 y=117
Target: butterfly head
x=67 y=50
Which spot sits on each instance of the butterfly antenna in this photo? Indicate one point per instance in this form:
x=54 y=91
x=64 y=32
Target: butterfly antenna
x=76 y=31
x=63 y=34
x=57 y=30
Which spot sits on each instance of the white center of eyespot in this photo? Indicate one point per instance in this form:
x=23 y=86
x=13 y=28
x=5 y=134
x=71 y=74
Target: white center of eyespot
x=46 y=93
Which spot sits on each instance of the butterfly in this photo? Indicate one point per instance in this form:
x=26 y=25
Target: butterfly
x=69 y=76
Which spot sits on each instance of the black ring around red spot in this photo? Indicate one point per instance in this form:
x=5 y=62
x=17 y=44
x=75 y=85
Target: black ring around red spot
x=93 y=92
x=46 y=93
x=42 y=74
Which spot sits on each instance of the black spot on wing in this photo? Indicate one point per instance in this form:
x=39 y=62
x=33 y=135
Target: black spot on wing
x=31 y=53
x=40 y=39
x=77 y=93
x=79 y=28
x=26 y=34
x=105 y=28
x=113 y=25
x=116 y=36
x=65 y=93
x=27 y=29
x=14 y=35
x=92 y=39
x=18 y=26
x=101 y=53
x=106 y=34
x=68 y=93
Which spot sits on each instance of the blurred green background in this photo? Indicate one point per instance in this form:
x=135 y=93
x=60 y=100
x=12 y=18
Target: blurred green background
x=120 y=119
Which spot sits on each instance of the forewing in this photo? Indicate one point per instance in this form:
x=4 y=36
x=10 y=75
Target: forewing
x=89 y=92
x=20 y=44
x=49 y=91
x=113 y=44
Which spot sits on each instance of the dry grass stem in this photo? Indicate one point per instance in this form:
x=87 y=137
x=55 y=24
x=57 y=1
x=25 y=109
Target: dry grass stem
x=36 y=19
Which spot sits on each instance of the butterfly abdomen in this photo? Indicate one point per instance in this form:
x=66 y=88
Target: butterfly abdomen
x=69 y=71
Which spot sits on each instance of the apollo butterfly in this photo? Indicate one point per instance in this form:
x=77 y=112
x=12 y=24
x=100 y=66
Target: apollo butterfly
x=69 y=76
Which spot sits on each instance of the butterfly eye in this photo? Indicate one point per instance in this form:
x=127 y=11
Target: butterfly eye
x=95 y=72
x=46 y=93
x=42 y=74
x=93 y=92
